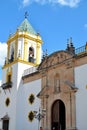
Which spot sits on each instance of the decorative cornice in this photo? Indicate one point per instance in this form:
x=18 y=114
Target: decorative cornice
x=19 y=60
x=24 y=35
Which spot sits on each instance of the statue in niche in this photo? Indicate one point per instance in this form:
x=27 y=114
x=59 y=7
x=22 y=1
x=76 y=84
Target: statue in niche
x=31 y=55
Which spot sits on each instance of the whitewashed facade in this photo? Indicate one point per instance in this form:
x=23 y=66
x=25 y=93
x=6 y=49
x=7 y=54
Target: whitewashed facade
x=18 y=100
x=58 y=84
x=81 y=96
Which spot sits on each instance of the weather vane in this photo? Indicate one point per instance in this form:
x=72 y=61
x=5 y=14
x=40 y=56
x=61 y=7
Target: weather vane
x=26 y=14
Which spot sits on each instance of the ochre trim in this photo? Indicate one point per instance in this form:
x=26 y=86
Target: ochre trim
x=38 y=53
x=25 y=35
x=16 y=49
x=9 y=72
x=25 y=50
x=18 y=60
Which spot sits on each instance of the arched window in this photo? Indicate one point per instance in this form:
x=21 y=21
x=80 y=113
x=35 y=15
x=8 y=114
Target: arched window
x=31 y=54
x=12 y=54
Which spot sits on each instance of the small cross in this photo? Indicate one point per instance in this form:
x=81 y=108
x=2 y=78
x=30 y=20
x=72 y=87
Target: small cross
x=26 y=14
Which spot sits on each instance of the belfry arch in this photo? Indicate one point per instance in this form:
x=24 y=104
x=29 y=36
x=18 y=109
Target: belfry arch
x=31 y=54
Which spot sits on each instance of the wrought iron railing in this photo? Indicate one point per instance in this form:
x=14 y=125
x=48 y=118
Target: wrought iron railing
x=81 y=50
x=6 y=85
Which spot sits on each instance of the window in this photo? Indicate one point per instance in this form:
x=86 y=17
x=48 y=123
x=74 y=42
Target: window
x=12 y=54
x=7 y=102
x=31 y=116
x=5 y=124
x=31 y=54
x=31 y=99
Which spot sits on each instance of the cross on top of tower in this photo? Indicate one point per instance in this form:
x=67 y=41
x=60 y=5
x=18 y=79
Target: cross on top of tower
x=26 y=14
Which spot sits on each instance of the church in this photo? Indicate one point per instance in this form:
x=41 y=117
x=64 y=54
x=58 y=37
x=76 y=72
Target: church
x=46 y=92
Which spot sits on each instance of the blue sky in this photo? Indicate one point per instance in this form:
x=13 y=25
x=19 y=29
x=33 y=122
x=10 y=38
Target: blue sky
x=55 y=20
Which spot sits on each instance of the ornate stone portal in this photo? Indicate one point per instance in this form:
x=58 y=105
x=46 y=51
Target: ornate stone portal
x=58 y=91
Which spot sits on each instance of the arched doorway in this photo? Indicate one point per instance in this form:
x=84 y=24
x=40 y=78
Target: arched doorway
x=58 y=116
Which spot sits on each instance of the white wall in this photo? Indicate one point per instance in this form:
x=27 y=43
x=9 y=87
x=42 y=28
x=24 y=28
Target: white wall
x=20 y=71
x=81 y=97
x=24 y=107
x=17 y=71
x=11 y=94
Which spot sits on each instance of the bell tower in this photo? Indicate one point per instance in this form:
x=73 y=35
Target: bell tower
x=24 y=45
x=24 y=49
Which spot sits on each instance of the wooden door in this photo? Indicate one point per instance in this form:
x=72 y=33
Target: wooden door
x=58 y=116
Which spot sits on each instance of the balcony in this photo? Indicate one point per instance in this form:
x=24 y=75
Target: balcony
x=30 y=71
x=6 y=85
x=81 y=50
